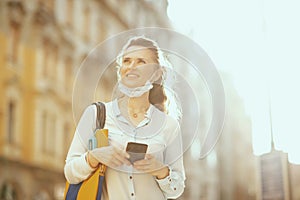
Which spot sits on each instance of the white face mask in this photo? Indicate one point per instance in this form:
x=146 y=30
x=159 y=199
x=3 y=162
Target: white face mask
x=135 y=92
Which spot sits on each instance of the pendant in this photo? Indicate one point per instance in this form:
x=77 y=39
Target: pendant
x=135 y=115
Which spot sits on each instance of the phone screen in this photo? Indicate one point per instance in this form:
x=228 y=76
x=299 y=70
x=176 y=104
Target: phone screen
x=137 y=151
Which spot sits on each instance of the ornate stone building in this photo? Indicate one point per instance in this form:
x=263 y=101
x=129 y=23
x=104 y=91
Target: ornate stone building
x=42 y=44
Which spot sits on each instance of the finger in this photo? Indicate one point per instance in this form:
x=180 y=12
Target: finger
x=149 y=156
x=121 y=152
x=116 y=162
x=142 y=162
x=148 y=160
x=96 y=155
x=143 y=168
x=126 y=154
x=113 y=162
x=126 y=162
x=120 y=156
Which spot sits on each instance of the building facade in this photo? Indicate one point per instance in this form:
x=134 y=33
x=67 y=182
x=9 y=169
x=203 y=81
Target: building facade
x=42 y=44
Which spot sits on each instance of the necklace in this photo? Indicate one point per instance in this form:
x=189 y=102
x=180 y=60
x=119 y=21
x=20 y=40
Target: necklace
x=135 y=113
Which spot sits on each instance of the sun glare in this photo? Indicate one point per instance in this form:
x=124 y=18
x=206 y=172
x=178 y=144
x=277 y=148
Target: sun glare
x=258 y=43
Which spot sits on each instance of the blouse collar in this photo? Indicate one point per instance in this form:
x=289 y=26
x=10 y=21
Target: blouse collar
x=118 y=115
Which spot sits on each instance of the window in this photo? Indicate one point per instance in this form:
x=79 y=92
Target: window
x=11 y=122
x=48 y=133
x=8 y=192
x=69 y=12
x=68 y=74
x=66 y=138
x=101 y=30
x=15 y=16
x=13 y=46
x=44 y=131
x=46 y=50
x=51 y=136
x=54 y=63
x=86 y=25
x=42 y=195
x=48 y=60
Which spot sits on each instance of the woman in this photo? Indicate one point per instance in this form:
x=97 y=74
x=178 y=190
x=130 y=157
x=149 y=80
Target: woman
x=138 y=115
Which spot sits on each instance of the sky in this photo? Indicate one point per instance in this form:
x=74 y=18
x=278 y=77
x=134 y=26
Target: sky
x=257 y=43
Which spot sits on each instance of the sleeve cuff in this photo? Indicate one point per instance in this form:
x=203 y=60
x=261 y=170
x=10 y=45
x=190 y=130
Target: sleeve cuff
x=85 y=165
x=167 y=180
x=172 y=181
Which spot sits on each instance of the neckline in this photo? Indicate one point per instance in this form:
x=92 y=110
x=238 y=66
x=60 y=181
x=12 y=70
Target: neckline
x=117 y=113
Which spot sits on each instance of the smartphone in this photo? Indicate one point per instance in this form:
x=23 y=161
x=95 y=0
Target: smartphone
x=137 y=151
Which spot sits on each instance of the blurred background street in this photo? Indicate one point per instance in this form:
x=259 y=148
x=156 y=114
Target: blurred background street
x=253 y=44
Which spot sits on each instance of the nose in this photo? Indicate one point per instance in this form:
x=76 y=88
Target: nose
x=131 y=65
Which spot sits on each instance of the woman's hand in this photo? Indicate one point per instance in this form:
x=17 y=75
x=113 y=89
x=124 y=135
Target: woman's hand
x=152 y=166
x=109 y=156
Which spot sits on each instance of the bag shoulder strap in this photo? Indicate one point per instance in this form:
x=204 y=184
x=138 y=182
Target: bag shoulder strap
x=101 y=115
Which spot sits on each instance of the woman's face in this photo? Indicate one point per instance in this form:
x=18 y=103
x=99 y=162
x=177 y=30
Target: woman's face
x=138 y=66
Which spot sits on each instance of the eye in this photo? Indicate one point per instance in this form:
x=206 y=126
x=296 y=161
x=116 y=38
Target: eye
x=126 y=61
x=140 y=61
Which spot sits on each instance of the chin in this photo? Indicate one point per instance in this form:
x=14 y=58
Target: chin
x=132 y=84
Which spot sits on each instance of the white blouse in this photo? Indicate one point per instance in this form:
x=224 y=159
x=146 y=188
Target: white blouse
x=159 y=131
